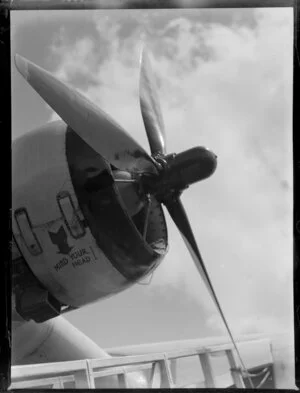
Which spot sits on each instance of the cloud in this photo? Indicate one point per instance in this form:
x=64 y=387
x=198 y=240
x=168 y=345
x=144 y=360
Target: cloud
x=229 y=87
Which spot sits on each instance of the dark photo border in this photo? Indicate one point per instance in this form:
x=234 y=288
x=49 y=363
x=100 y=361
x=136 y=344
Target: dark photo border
x=5 y=127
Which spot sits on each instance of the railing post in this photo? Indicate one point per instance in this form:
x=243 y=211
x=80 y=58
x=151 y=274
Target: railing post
x=207 y=370
x=83 y=378
x=235 y=373
x=122 y=379
x=173 y=368
x=58 y=384
x=166 y=377
x=155 y=377
x=90 y=372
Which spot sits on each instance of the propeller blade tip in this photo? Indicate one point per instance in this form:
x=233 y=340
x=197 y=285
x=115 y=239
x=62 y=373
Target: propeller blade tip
x=22 y=65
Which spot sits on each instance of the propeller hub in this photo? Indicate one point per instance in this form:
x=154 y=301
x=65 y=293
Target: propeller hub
x=192 y=165
x=178 y=171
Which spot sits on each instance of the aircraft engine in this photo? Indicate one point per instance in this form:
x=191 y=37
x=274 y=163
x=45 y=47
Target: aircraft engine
x=87 y=213
x=78 y=223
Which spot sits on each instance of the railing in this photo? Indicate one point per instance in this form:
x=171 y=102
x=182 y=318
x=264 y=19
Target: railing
x=160 y=369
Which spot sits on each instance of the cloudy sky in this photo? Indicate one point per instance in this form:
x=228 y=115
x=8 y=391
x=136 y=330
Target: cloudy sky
x=225 y=82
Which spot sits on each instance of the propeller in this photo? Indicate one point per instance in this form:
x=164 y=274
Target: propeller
x=150 y=107
x=178 y=214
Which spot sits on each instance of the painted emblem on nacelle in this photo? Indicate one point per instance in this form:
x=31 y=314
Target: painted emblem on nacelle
x=60 y=239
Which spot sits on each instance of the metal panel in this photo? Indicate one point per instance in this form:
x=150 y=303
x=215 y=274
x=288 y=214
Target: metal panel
x=26 y=231
x=70 y=215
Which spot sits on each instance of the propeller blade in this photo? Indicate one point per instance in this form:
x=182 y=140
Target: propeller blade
x=150 y=107
x=178 y=214
x=93 y=125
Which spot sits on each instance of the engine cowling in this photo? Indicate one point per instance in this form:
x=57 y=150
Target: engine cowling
x=80 y=233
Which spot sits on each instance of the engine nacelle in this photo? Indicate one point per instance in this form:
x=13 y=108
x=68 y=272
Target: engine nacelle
x=80 y=233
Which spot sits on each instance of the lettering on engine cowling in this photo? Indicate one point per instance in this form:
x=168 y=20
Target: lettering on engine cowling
x=76 y=258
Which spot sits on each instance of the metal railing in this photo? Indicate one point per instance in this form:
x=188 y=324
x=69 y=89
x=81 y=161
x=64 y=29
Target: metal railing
x=160 y=368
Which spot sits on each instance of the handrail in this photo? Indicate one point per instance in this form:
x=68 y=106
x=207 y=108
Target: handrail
x=162 y=367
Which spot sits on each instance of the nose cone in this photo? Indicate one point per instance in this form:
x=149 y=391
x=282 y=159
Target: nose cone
x=207 y=161
x=211 y=161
